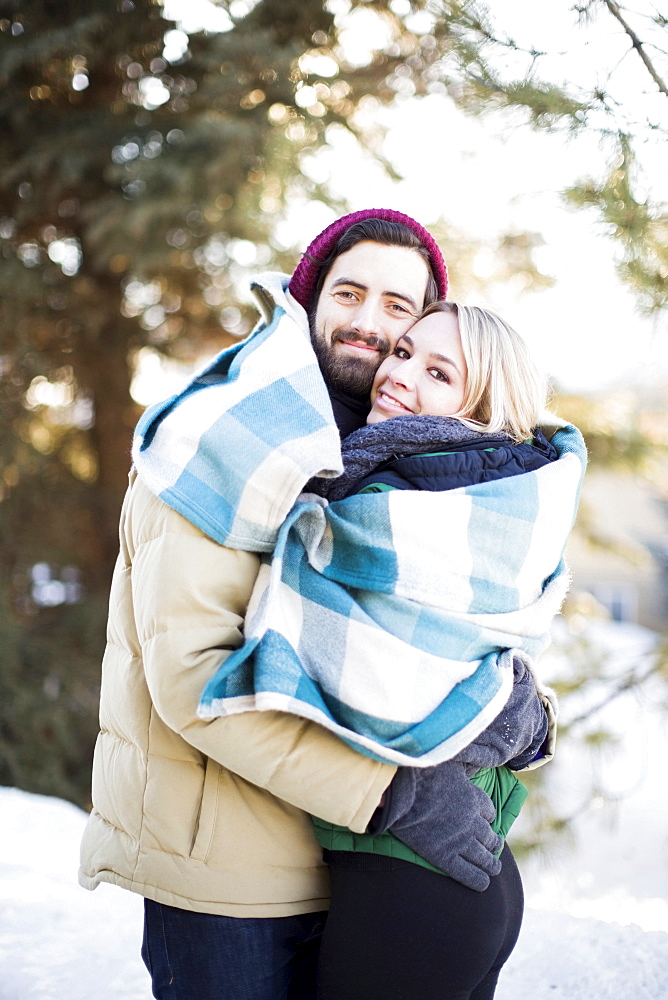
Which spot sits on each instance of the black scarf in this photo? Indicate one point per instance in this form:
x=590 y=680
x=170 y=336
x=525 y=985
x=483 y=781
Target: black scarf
x=350 y=412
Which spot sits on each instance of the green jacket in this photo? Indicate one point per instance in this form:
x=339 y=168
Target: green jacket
x=504 y=789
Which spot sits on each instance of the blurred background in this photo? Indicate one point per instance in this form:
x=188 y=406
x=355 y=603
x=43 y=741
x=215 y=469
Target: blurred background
x=153 y=156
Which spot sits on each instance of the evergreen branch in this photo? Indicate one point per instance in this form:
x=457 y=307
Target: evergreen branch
x=634 y=678
x=637 y=45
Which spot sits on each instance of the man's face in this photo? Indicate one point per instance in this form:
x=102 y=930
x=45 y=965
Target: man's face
x=371 y=296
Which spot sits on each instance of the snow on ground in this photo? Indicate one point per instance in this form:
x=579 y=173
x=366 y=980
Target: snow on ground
x=596 y=925
x=57 y=941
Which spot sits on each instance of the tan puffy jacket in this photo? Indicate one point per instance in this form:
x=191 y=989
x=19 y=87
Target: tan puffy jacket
x=205 y=815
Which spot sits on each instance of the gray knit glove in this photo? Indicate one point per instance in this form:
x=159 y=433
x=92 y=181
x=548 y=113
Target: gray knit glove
x=442 y=816
x=517 y=733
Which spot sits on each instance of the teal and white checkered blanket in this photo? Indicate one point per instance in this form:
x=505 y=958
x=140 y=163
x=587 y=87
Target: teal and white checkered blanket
x=234 y=449
x=389 y=617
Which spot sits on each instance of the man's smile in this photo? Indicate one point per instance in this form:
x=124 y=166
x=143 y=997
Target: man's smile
x=360 y=345
x=354 y=342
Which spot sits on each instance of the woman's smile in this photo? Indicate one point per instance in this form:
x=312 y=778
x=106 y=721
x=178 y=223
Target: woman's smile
x=386 y=401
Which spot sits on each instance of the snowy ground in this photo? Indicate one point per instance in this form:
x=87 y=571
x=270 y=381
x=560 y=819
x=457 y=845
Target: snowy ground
x=596 y=926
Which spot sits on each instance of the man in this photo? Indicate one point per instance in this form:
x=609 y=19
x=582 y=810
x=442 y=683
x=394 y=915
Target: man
x=209 y=820
x=378 y=271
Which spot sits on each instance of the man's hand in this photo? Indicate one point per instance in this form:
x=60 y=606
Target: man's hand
x=440 y=814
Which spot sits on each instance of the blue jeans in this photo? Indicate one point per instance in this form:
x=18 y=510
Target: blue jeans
x=199 y=956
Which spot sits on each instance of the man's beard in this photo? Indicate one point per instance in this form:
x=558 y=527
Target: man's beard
x=349 y=375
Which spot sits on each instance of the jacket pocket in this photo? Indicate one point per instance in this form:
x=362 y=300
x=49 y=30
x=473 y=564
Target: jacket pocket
x=208 y=812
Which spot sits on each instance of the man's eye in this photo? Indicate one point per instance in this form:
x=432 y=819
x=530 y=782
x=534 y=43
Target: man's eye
x=395 y=307
x=343 y=294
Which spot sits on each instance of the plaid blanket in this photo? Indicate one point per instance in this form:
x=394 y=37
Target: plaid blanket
x=392 y=618
x=234 y=449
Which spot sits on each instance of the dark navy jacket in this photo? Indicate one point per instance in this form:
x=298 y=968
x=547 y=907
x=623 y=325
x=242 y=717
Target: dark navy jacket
x=462 y=465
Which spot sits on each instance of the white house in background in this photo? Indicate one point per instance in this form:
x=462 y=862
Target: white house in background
x=630 y=578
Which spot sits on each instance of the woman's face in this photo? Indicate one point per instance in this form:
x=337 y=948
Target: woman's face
x=425 y=374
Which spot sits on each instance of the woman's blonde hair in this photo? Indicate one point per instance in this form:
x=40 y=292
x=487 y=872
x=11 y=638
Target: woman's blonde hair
x=504 y=389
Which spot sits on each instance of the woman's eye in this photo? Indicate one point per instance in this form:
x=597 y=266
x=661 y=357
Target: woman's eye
x=401 y=352
x=439 y=375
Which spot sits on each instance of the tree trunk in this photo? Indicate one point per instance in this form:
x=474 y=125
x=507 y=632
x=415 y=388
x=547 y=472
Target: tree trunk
x=103 y=369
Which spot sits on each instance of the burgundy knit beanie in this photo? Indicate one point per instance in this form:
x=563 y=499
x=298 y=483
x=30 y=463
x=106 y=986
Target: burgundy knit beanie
x=305 y=277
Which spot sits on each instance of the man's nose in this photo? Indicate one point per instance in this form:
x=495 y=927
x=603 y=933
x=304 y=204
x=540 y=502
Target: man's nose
x=368 y=317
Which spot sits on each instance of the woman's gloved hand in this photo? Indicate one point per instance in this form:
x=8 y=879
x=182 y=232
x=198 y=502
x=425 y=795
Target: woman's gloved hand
x=517 y=733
